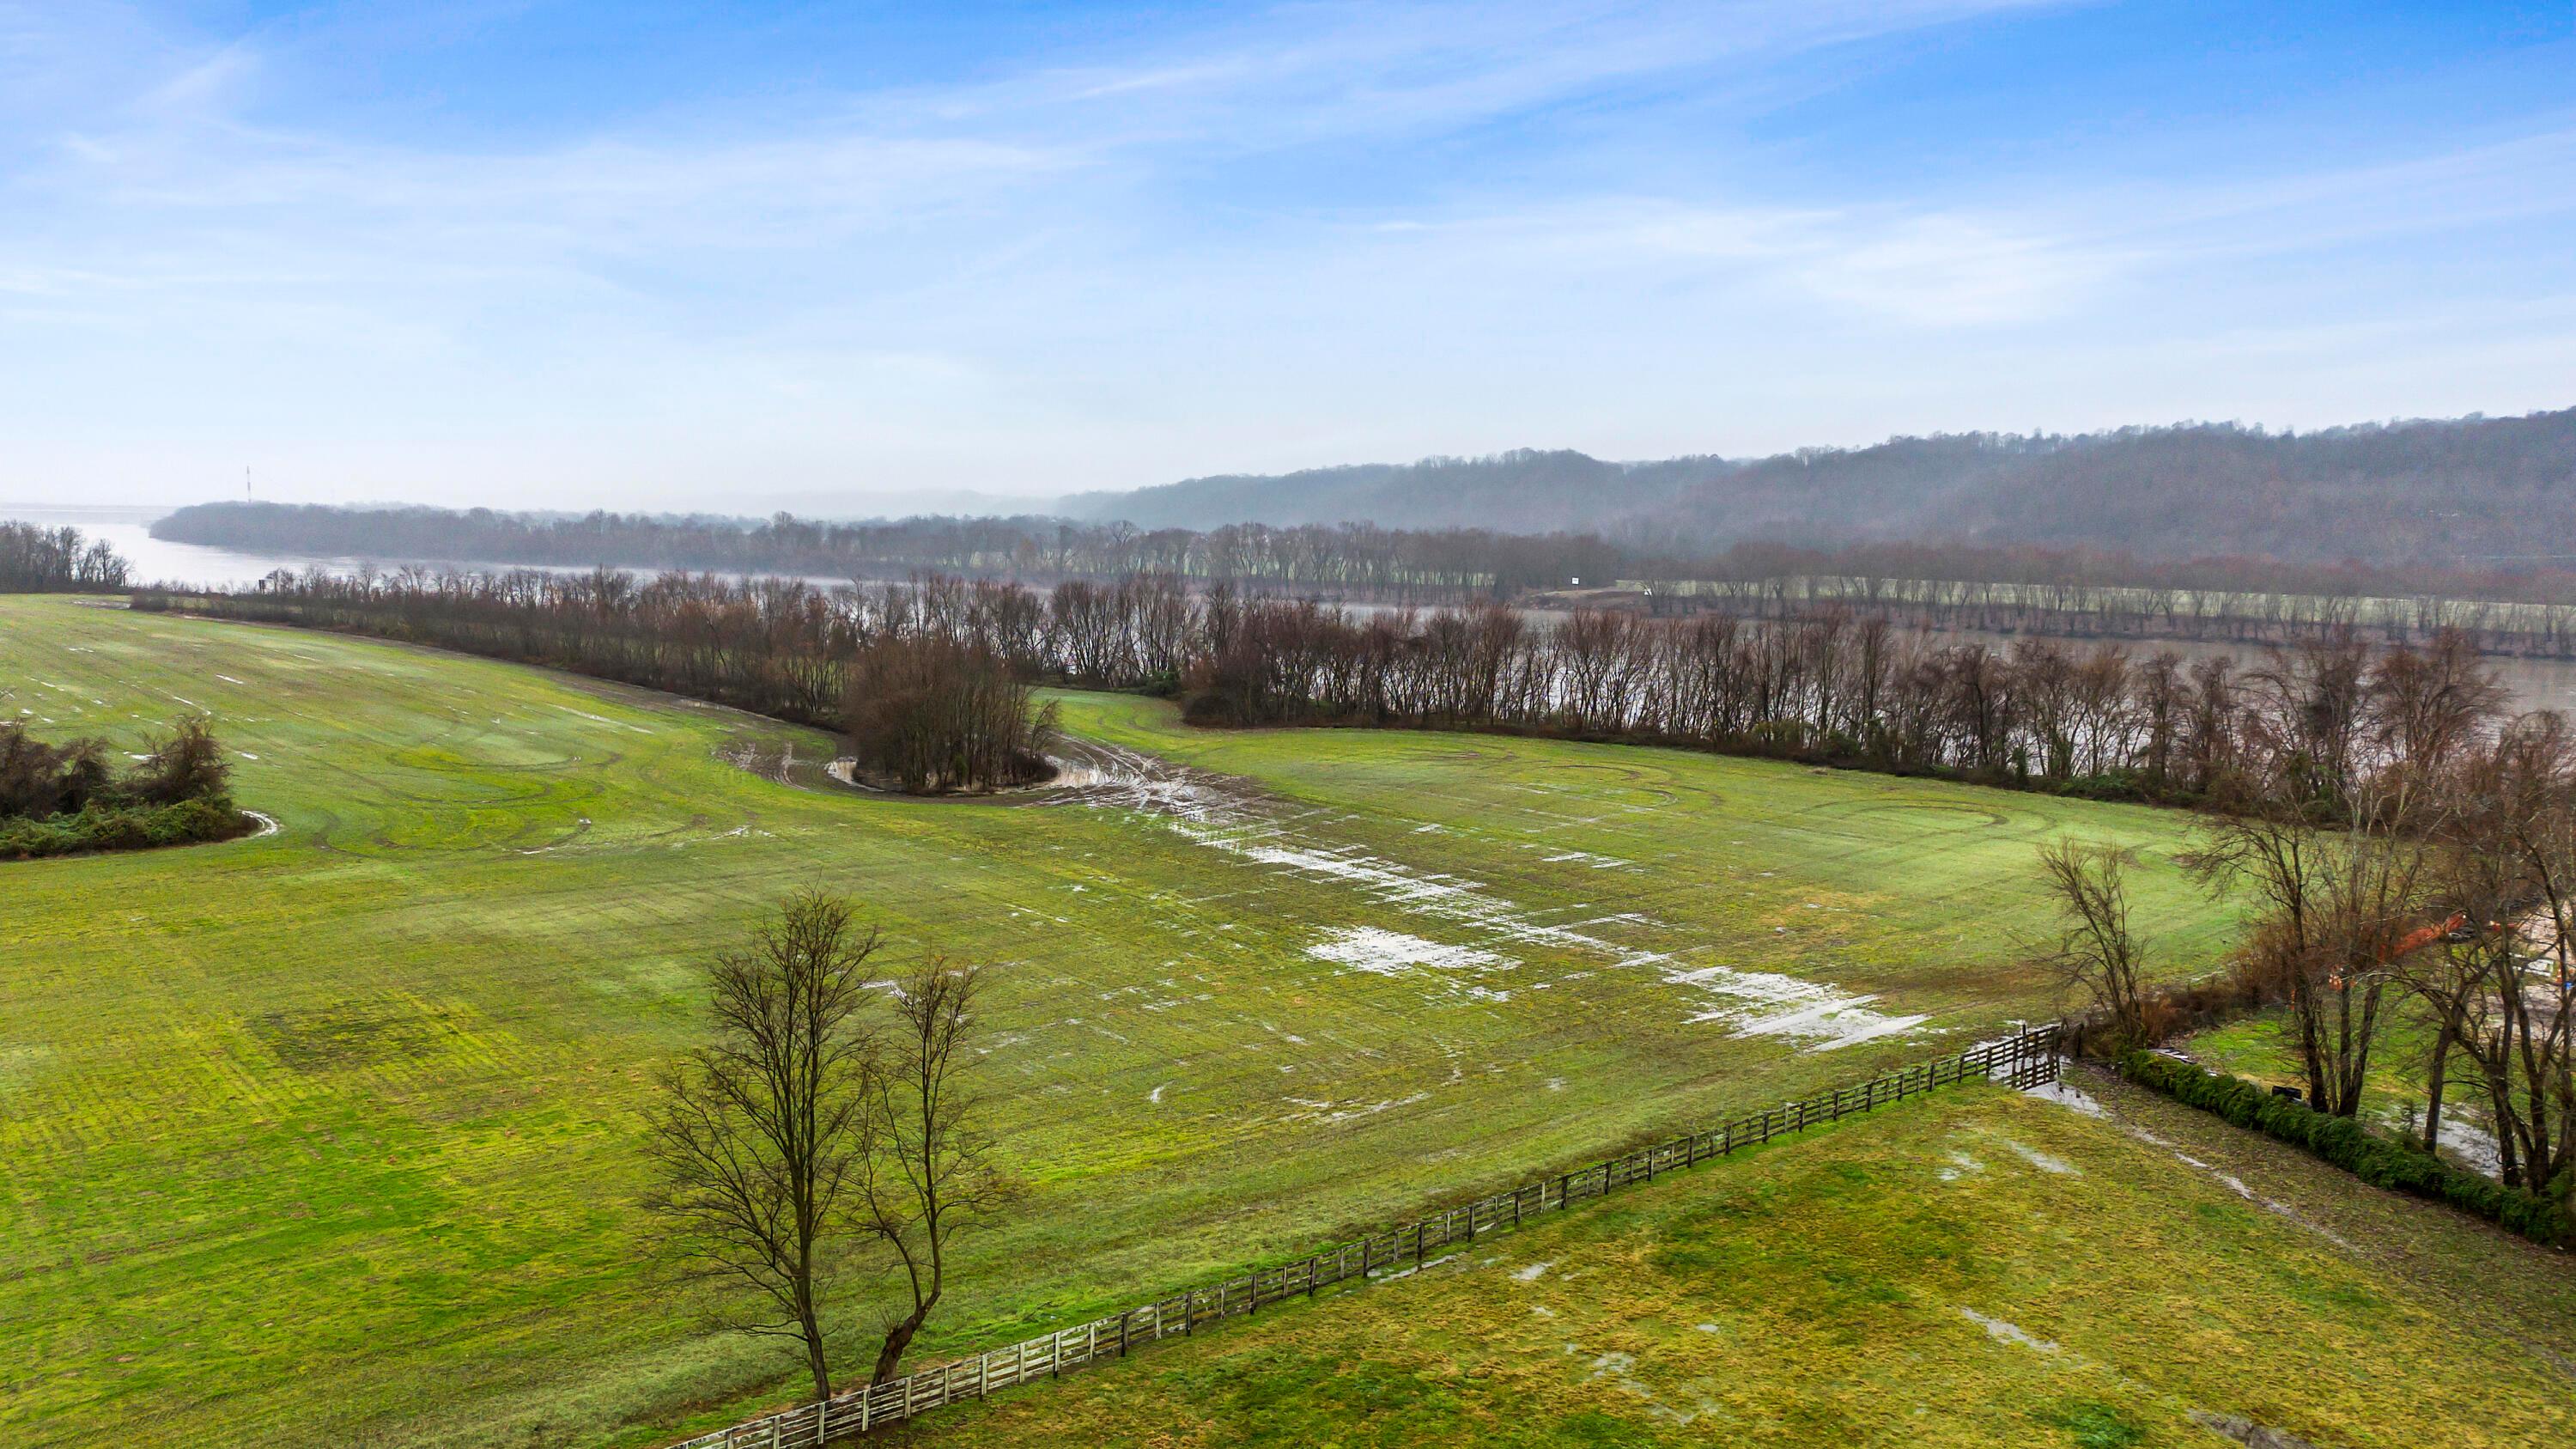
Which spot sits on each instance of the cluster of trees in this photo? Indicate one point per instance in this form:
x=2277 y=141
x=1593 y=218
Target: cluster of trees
x=930 y=713
x=63 y=799
x=826 y=1142
x=2326 y=714
x=2444 y=887
x=37 y=560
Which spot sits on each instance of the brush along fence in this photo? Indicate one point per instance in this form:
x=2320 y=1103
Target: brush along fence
x=2026 y=1059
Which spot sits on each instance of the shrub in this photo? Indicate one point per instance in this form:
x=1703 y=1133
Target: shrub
x=2377 y=1160
x=102 y=826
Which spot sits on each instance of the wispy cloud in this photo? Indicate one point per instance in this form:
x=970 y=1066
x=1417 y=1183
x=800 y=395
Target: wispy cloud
x=1251 y=242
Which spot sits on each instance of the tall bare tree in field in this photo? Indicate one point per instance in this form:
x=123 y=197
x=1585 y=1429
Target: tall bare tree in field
x=761 y=1139
x=2096 y=949
x=930 y=1175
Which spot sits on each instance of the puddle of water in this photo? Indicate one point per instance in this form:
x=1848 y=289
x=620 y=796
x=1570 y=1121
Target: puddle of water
x=2065 y=1096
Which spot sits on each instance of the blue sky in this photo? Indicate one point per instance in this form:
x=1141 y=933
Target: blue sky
x=663 y=255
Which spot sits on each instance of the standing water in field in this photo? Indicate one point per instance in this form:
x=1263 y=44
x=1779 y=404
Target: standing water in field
x=1226 y=816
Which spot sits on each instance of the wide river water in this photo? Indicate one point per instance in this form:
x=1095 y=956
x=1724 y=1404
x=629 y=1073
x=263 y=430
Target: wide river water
x=2536 y=683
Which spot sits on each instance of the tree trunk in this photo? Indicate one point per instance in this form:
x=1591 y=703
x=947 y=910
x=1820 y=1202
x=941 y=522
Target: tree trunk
x=814 y=1352
x=898 y=1339
x=2305 y=1007
x=2434 y=1079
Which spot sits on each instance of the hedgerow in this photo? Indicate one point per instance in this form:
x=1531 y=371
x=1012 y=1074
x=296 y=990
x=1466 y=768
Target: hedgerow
x=2377 y=1160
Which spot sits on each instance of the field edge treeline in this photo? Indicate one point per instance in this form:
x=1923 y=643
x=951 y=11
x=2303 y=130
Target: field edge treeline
x=1828 y=687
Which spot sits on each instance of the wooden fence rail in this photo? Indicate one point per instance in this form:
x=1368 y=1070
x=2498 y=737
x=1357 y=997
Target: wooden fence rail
x=2025 y=1059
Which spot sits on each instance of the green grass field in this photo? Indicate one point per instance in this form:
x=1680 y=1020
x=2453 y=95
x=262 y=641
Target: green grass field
x=332 y=1134
x=2264 y=1047
x=1973 y=1269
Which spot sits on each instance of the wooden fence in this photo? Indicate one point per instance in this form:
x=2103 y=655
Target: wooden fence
x=2026 y=1059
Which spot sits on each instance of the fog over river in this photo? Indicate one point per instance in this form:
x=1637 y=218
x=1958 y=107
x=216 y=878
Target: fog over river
x=2535 y=683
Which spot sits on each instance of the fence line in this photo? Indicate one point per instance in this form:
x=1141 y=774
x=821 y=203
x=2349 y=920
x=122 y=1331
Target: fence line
x=2025 y=1059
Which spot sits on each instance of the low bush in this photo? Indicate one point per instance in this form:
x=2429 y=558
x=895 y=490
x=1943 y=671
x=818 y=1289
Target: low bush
x=2377 y=1160
x=64 y=800
x=122 y=827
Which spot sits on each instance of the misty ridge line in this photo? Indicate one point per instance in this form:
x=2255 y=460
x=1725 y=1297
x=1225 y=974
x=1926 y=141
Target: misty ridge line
x=2457 y=508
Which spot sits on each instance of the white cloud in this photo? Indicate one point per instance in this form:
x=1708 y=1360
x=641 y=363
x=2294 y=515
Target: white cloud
x=1093 y=274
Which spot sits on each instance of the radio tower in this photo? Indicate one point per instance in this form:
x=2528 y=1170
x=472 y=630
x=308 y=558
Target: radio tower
x=246 y=496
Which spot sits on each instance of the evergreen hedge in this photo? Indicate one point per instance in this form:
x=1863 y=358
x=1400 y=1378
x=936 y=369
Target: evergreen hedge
x=2377 y=1160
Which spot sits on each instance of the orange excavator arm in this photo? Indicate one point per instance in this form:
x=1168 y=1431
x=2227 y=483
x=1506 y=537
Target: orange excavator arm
x=2426 y=935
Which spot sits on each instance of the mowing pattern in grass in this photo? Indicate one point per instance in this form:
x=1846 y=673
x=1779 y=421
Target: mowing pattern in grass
x=333 y=1132
x=1977 y=1268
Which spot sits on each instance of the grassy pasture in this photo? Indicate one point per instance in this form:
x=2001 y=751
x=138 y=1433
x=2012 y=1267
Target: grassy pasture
x=330 y=1134
x=1971 y=1269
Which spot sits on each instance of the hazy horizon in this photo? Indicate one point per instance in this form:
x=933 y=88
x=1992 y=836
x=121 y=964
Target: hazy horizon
x=565 y=256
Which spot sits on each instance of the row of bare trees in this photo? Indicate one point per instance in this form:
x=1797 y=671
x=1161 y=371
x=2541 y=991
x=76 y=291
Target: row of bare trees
x=2319 y=719
x=1359 y=560
x=2315 y=721
x=826 y=1148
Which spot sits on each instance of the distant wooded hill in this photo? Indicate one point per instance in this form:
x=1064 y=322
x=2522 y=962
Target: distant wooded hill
x=2477 y=491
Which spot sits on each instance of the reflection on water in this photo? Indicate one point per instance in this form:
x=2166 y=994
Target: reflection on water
x=2535 y=683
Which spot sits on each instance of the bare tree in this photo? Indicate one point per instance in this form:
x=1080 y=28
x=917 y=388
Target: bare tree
x=2341 y=907
x=930 y=1174
x=2425 y=708
x=2454 y=978
x=2524 y=1038
x=2096 y=951
x=189 y=765
x=762 y=1137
